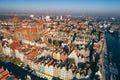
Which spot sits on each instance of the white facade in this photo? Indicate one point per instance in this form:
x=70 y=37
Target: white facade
x=82 y=52
x=17 y=54
x=46 y=69
x=58 y=56
x=69 y=75
x=74 y=56
x=47 y=18
x=41 y=67
x=7 y=51
x=22 y=57
x=59 y=72
x=78 y=75
x=61 y=17
x=50 y=70
x=63 y=75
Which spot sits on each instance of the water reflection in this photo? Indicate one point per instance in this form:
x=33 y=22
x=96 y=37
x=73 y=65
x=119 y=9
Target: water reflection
x=113 y=46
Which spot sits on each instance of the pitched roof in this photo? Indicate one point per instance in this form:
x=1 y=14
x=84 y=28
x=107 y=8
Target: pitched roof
x=63 y=56
x=15 y=45
x=32 y=54
x=1 y=70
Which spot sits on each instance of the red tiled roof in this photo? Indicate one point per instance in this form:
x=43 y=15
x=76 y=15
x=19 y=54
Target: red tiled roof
x=27 y=79
x=1 y=76
x=87 y=53
x=5 y=77
x=33 y=30
x=63 y=56
x=76 y=51
x=4 y=73
x=41 y=21
x=97 y=45
x=10 y=31
x=50 y=62
x=16 y=79
x=18 y=29
x=16 y=18
x=25 y=30
x=1 y=70
x=6 y=34
x=32 y=54
x=15 y=45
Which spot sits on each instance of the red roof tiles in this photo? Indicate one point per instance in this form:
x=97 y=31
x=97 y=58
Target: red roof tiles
x=15 y=45
x=63 y=56
x=1 y=70
x=32 y=54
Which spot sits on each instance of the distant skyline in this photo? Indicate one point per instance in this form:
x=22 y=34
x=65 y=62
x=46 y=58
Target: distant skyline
x=100 y=7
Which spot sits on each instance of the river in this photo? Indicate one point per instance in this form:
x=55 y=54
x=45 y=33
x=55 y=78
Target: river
x=113 y=46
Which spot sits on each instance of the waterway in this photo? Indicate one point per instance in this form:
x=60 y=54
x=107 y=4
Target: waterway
x=113 y=46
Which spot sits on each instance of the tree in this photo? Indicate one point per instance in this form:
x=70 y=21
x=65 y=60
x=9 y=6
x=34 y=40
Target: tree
x=66 y=49
x=74 y=36
x=17 y=61
x=87 y=65
x=89 y=46
x=72 y=61
x=54 y=42
x=7 y=28
x=50 y=41
x=44 y=26
x=57 y=43
x=8 y=59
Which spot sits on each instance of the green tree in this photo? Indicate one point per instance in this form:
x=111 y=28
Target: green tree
x=17 y=61
x=57 y=43
x=87 y=65
x=50 y=41
x=72 y=61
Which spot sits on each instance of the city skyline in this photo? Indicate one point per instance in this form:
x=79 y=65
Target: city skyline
x=100 y=7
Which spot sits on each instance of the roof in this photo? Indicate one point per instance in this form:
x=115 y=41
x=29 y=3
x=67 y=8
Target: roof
x=41 y=21
x=33 y=54
x=63 y=56
x=87 y=53
x=15 y=45
x=3 y=74
x=97 y=45
x=25 y=29
x=16 y=18
x=18 y=29
x=50 y=62
x=1 y=70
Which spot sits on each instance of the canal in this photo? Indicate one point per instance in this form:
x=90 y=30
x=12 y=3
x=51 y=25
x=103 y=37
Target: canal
x=113 y=46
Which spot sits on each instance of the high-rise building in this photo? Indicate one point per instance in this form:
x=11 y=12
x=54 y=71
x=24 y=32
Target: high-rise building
x=32 y=16
x=47 y=18
x=57 y=17
x=61 y=17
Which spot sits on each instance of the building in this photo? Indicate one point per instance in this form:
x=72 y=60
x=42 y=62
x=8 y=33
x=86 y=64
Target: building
x=47 y=18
